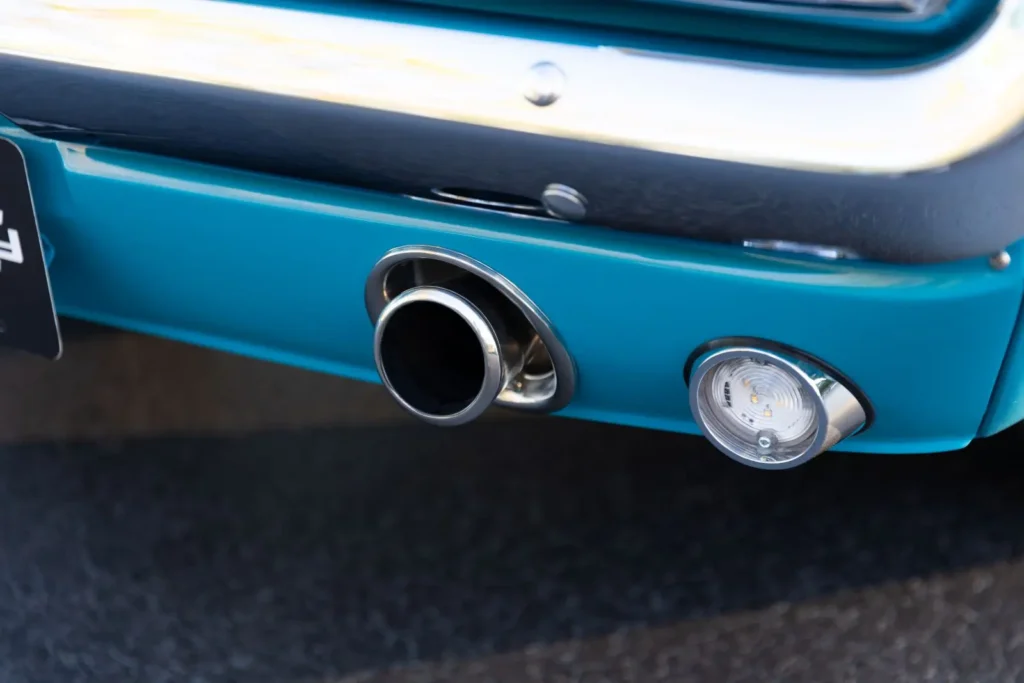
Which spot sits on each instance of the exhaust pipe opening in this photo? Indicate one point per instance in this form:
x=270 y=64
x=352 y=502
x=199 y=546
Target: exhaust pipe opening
x=447 y=353
x=432 y=359
x=453 y=337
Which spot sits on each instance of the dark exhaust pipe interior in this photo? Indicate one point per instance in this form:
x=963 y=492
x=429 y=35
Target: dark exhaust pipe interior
x=447 y=352
x=432 y=358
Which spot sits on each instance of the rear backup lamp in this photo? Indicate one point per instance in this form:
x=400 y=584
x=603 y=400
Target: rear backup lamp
x=770 y=409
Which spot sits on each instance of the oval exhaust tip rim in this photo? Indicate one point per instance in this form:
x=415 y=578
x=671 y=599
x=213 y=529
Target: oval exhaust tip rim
x=376 y=300
x=491 y=380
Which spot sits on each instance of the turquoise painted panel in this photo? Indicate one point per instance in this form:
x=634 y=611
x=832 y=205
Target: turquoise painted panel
x=1007 y=406
x=275 y=268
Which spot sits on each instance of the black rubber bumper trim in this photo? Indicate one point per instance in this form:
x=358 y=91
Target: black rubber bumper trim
x=973 y=208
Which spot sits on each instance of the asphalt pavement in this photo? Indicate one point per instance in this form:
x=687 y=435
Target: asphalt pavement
x=169 y=513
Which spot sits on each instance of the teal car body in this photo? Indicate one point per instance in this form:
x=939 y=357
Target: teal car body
x=242 y=205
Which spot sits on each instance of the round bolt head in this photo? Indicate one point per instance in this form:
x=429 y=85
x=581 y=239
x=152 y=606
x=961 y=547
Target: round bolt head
x=545 y=83
x=1000 y=261
x=562 y=201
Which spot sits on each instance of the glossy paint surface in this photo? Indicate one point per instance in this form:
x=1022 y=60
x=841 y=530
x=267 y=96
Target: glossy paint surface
x=1007 y=406
x=275 y=268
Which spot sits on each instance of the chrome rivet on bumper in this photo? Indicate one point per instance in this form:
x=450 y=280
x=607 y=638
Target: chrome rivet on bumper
x=1000 y=261
x=562 y=201
x=544 y=84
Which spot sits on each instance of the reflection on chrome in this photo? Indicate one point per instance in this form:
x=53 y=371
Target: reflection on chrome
x=844 y=122
x=823 y=251
x=428 y=345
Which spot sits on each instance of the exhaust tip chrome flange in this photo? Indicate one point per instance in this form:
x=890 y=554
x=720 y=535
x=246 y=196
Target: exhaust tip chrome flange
x=771 y=409
x=452 y=336
x=462 y=369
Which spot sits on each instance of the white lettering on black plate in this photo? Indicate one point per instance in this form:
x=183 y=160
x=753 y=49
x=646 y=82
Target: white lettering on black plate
x=11 y=249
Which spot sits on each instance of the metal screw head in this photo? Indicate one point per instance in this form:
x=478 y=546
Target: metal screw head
x=1000 y=261
x=766 y=441
x=544 y=84
x=562 y=201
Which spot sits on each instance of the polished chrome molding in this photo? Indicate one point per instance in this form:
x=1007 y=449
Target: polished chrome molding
x=545 y=379
x=821 y=251
x=839 y=413
x=893 y=122
x=487 y=200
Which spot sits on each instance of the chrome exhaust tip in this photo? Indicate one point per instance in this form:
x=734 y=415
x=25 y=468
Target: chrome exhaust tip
x=440 y=357
x=452 y=337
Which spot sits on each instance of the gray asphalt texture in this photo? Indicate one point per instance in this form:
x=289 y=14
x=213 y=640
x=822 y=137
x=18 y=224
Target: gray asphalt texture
x=177 y=514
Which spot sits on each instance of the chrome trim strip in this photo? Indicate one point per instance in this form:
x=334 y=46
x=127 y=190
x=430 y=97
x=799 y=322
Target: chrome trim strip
x=844 y=122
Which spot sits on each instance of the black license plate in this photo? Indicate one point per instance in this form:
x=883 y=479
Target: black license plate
x=28 y=320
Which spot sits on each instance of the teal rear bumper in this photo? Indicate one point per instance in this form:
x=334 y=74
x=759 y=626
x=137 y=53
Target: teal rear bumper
x=276 y=269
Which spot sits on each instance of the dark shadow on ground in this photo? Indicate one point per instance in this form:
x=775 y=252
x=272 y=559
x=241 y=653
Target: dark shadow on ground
x=362 y=548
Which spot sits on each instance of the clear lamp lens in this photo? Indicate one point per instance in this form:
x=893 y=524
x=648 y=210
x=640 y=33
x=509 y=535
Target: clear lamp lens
x=771 y=410
x=758 y=410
